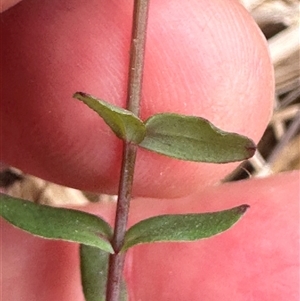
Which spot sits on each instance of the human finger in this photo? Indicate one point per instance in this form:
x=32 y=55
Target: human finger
x=203 y=59
x=257 y=258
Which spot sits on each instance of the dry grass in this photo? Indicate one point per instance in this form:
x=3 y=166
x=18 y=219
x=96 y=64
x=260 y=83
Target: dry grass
x=279 y=149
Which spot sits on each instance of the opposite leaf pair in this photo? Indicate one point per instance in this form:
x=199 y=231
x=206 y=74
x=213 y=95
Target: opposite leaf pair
x=91 y=230
x=187 y=138
x=183 y=137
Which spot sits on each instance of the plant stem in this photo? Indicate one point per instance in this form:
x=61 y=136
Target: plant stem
x=135 y=78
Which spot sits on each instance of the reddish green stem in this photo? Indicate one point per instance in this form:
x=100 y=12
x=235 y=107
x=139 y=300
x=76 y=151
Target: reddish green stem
x=135 y=78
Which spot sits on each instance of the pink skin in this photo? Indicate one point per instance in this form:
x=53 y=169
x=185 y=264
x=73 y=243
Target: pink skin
x=6 y=4
x=258 y=259
x=203 y=58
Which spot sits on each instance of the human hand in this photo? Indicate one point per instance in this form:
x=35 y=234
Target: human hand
x=196 y=64
x=258 y=259
x=204 y=66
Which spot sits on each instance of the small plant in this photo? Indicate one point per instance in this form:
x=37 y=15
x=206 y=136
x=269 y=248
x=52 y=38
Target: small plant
x=103 y=248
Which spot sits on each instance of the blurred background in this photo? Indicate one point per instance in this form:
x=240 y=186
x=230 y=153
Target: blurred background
x=279 y=149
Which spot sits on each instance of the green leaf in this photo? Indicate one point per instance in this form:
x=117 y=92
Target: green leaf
x=57 y=223
x=194 y=139
x=123 y=123
x=182 y=227
x=94 y=268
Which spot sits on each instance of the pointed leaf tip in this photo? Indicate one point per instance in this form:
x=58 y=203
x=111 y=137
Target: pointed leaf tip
x=182 y=227
x=195 y=139
x=251 y=148
x=122 y=122
x=243 y=208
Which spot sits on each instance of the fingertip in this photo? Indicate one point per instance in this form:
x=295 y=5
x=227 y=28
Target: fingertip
x=254 y=258
x=203 y=59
